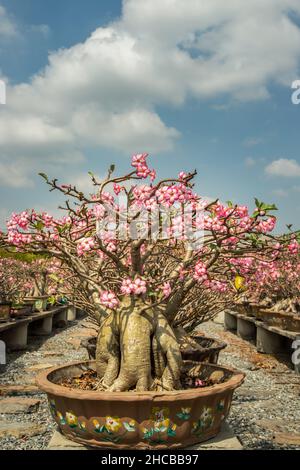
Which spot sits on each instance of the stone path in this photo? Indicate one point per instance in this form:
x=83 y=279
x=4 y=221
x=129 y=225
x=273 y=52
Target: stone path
x=265 y=411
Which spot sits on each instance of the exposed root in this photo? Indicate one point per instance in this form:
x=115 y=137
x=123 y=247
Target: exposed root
x=136 y=350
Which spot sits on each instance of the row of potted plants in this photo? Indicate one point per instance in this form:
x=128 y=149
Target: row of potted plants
x=29 y=305
x=285 y=320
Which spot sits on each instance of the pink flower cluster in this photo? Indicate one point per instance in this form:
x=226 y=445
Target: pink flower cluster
x=47 y=219
x=167 y=289
x=109 y=299
x=142 y=170
x=294 y=247
x=85 y=245
x=265 y=226
x=200 y=273
x=216 y=286
x=98 y=211
x=17 y=238
x=168 y=195
x=136 y=286
x=142 y=193
x=18 y=221
x=118 y=189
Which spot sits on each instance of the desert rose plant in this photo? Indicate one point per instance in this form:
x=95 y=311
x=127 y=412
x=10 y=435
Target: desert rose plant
x=145 y=254
x=275 y=284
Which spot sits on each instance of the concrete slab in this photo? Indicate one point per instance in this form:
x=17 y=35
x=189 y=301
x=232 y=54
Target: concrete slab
x=226 y=440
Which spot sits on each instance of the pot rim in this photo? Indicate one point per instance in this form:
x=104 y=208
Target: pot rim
x=217 y=343
x=43 y=382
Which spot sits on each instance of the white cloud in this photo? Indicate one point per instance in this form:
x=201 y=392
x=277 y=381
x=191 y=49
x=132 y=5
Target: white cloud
x=283 y=167
x=105 y=91
x=8 y=28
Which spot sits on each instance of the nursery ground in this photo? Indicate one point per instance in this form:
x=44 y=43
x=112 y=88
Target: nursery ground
x=265 y=412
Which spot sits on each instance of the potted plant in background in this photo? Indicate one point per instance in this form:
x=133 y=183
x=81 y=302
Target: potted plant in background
x=12 y=281
x=141 y=255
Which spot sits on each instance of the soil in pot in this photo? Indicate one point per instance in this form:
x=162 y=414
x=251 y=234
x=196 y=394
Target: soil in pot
x=140 y=420
x=88 y=381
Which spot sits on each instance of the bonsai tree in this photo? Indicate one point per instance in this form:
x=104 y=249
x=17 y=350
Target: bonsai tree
x=144 y=256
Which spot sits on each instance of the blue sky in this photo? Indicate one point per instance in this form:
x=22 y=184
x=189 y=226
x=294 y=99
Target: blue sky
x=196 y=84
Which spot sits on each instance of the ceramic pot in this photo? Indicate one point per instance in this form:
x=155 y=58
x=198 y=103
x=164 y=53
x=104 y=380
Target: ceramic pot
x=140 y=420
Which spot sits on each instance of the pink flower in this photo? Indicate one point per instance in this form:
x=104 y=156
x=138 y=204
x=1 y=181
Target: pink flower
x=109 y=299
x=136 y=286
x=167 y=289
x=182 y=176
x=294 y=247
x=139 y=159
x=98 y=211
x=117 y=188
x=152 y=175
x=200 y=273
x=85 y=245
x=199 y=383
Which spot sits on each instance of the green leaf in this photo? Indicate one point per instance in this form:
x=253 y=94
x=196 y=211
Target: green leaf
x=128 y=427
x=257 y=203
x=43 y=175
x=171 y=433
x=268 y=207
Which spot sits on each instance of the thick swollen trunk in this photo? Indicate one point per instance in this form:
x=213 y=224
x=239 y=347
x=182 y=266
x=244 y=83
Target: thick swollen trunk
x=137 y=348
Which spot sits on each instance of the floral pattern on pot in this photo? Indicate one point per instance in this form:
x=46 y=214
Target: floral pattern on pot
x=60 y=418
x=71 y=419
x=111 y=427
x=157 y=430
x=184 y=414
x=221 y=405
x=205 y=421
x=160 y=427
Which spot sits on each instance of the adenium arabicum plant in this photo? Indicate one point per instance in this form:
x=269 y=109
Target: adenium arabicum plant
x=145 y=254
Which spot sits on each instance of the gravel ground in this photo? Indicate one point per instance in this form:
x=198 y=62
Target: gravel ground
x=17 y=372
x=267 y=402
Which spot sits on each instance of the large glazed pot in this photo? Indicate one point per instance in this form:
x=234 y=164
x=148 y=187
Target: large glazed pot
x=208 y=352
x=140 y=420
